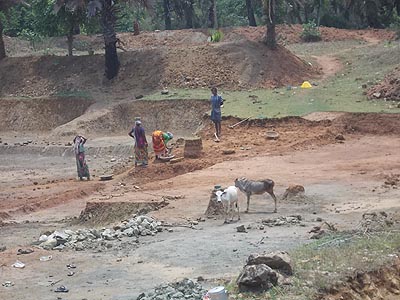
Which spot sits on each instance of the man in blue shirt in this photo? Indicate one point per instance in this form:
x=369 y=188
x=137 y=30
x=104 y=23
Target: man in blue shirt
x=216 y=104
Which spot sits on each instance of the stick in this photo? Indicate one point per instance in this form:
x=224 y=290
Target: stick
x=238 y=123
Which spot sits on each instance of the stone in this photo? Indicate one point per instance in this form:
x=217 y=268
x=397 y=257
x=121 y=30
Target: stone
x=339 y=137
x=129 y=232
x=164 y=92
x=294 y=191
x=43 y=238
x=228 y=151
x=79 y=246
x=49 y=244
x=277 y=260
x=241 y=228
x=377 y=95
x=256 y=278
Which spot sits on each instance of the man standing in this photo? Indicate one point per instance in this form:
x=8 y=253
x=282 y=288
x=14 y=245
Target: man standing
x=216 y=104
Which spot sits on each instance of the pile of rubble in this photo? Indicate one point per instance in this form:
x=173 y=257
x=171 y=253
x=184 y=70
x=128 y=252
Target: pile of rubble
x=185 y=289
x=373 y=221
x=82 y=239
x=282 y=221
x=265 y=270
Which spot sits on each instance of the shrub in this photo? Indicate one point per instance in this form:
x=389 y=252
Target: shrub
x=395 y=24
x=310 y=32
x=216 y=36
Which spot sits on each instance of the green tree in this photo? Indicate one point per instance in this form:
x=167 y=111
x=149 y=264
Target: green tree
x=5 y=6
x=68 y=17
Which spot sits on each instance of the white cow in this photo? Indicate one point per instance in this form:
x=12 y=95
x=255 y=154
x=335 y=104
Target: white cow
x=229 y=198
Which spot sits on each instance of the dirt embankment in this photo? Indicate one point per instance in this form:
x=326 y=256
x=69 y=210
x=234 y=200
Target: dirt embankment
x=230 y=65
x=380 y=284
x=388 y=89
x=183 y=117
x=39 y=114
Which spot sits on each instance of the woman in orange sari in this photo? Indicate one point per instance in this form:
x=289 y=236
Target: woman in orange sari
x=160 y=140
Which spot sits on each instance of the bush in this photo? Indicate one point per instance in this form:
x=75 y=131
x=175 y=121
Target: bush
x=311 y=32
x=395 y=24
x=216 y=36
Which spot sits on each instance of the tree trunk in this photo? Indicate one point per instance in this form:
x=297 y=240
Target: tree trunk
x=250 y=13
x=188 y=11
x=70 y=40
x=269 y=11
x=2 y=47
x=319 y=12
x=167 y=16
x=371 y=14
x=110 y=40
x=215 y=14
x=298 y=13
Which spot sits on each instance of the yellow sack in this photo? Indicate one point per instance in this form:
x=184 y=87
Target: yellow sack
x=306 y=85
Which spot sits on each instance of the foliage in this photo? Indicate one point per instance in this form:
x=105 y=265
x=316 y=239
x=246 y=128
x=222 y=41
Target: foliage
x=231 y=13
x=311 y=32
x=30 y=36
x=395 y=25
x=130 y=12
x=216 y=36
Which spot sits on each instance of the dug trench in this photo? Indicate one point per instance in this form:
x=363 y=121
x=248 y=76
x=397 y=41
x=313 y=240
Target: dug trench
x=30 y=187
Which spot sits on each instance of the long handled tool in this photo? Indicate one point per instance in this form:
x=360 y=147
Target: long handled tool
x=238 y=123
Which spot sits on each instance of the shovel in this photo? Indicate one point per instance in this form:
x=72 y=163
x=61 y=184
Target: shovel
x=238 y=123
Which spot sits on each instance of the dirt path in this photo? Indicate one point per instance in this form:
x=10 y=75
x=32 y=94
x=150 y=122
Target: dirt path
x=330 y=65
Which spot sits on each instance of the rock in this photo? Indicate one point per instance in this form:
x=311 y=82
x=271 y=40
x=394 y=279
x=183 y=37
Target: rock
x=49 y=244
x=43 y=238
x=79 y=246
x=129 y=232
x=340 y=137
x=293 y=191
x=256 y=278
x=277 y=260
x=228 y=151
x=377 y=95
x=241 y=228
x=164 y=92
x=107 y=235
x=3 y=248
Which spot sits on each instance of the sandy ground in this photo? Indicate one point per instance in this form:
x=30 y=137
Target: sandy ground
x=342 y=181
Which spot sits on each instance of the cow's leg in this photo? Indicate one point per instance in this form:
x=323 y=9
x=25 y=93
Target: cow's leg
x=226 y=210
x=248 y=202
x=237 y=206
x=273 y=197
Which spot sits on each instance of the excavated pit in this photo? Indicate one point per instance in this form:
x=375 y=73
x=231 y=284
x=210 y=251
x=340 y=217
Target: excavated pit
x=40 y=114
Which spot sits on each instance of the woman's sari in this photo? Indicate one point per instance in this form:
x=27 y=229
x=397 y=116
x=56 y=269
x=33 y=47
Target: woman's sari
x=82 y=167
x=141 y=153
x=158 y=143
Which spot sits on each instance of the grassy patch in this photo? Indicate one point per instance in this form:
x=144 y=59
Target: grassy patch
x=319 y=264
x=363 y=64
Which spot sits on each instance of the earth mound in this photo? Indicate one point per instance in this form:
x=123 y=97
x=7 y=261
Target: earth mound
x=388 y=89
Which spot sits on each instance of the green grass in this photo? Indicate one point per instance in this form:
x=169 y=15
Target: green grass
x=324 y=262
x=363 y=64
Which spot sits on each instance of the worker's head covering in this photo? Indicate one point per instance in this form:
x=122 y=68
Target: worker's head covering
x=138 y=122
x=171 y=136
